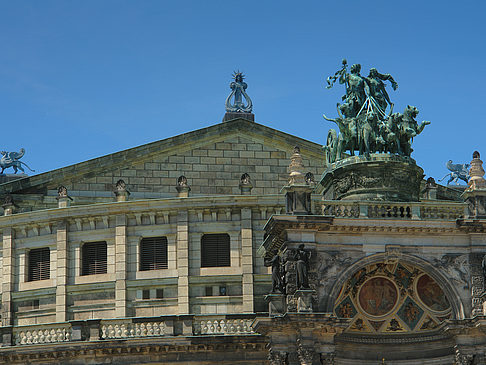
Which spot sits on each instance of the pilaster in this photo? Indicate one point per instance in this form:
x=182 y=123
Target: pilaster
x=247 y=259
x=7 y=276
x=61 y=271
x=183 y=261
x=121 y=266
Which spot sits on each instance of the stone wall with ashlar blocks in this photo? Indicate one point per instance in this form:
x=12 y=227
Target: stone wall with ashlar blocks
x=215 y=168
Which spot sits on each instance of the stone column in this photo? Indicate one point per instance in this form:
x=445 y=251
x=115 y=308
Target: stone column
x=61 y=272
x=121 y=266
x=247 y=259
x=7 y=276
x=183 y=262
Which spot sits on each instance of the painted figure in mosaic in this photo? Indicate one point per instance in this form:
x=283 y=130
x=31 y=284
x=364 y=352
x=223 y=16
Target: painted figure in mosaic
x=11 y=159
x=238 y=92
x=366 y=120
x=302 y=257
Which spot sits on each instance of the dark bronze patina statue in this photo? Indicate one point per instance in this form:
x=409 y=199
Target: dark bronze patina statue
x=364 y=123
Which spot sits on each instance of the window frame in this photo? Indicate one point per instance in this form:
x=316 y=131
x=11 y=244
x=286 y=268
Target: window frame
x=44 y=271
x=161 y=252
x=221 y=249
x=101 y=259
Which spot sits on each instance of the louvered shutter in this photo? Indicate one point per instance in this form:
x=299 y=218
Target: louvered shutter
x=153 y=253
x=215 y=250
x=94 y=258
x=39 y=264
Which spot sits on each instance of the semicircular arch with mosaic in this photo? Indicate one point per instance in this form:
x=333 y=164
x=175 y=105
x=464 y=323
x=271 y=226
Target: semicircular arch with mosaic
x=392 y=298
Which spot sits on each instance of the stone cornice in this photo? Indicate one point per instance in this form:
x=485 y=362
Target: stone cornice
x=472 y=225
x=123 y=347
x=278 y=224
x=140 y=206
x=324 y=323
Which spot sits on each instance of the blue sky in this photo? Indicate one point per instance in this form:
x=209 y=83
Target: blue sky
x=80 y=80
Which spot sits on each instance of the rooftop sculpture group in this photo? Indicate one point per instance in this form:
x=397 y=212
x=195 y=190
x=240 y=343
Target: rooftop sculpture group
x=364 y=123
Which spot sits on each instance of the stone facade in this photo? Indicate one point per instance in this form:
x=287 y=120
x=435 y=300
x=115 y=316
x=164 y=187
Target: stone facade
x=232 y=182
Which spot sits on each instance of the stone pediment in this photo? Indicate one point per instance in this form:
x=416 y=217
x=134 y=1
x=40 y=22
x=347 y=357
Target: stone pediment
x=213 y=159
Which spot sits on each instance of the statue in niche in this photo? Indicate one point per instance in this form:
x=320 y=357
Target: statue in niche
x=457 y=172
x=302 y=258
x=11 y=159
x=238 y=92
x=277 y=282
x=365 y=124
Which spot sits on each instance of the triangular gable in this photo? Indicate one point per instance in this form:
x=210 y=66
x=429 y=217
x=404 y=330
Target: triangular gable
x=100 y=173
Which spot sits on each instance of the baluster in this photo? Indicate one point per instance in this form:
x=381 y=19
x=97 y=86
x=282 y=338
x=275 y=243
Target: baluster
x=103 y=331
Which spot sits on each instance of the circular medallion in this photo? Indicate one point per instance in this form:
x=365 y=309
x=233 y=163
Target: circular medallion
x=378 y=296
x=431 y=294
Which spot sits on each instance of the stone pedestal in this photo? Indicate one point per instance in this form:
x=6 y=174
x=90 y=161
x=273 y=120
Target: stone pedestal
x=234 y=115
x=277 y=304
x=64 y=201
x=183 y=191
x=304 y=300
x=378 y=177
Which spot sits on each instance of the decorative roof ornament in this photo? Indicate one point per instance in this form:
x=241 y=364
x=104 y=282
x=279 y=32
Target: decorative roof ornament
x=364 y=122
x=300 y=186
x=11 y=159
x=457 y=172
x=476 y=173
x=245 y=184
x=182 y=187
x=296 y=168
x=238 y=92
x=121 y=192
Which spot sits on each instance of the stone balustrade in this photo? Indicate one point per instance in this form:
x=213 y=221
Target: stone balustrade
x=124 y=328
x=39 y=334
x=414 y=210
x=223 y=326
